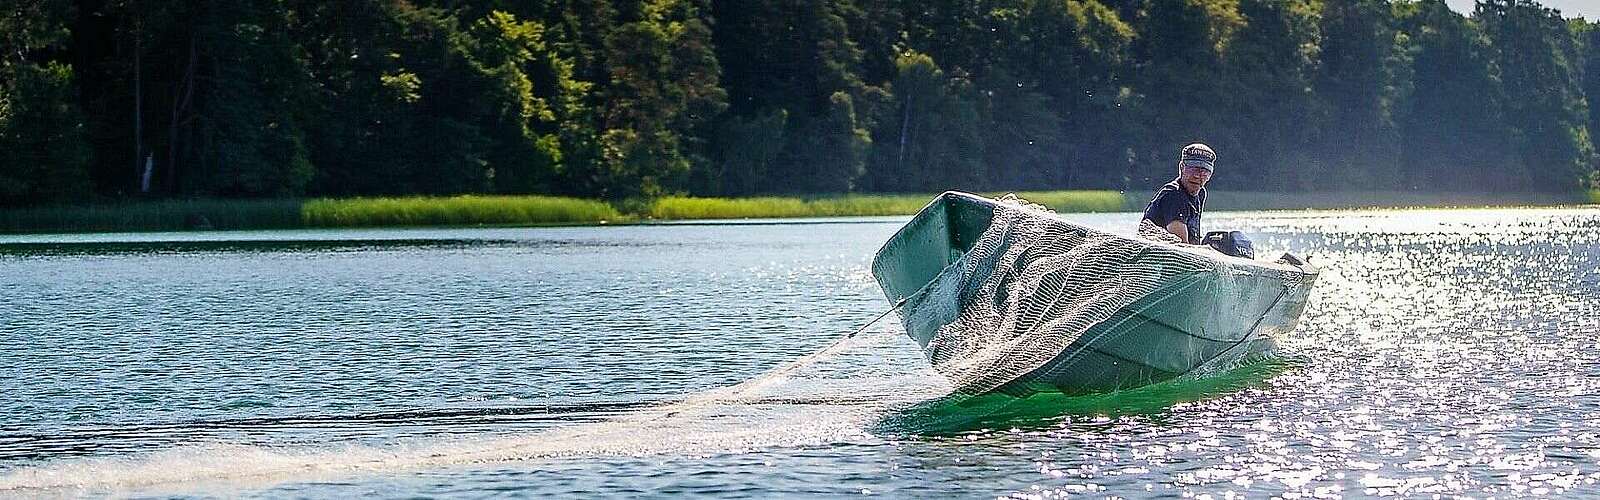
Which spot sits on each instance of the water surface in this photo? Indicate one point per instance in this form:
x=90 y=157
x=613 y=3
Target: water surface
x=1443 y=352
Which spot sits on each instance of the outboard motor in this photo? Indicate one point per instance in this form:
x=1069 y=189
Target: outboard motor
x=1231 y=243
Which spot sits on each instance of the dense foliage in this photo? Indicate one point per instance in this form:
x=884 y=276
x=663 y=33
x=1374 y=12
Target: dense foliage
x=104 y=99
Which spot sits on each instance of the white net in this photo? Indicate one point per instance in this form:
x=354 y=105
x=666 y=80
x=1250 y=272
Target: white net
x=1032 y=286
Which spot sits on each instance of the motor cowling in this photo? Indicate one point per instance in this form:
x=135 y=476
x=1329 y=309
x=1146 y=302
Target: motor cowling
x=1233 y=243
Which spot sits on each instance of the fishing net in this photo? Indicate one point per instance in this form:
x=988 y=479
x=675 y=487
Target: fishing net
x=1032 y=285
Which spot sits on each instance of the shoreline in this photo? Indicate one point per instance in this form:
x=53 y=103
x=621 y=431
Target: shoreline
x=540 y=211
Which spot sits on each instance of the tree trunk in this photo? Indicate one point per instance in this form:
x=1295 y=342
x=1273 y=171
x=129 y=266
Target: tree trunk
x=180 y=105
x=139 y=162
x=905 y=129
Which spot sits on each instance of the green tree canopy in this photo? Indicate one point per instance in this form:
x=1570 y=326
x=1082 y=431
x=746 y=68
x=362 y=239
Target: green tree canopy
x=109 y=99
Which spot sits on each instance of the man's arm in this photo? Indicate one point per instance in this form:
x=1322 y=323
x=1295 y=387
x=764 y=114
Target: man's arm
x=1181 y=230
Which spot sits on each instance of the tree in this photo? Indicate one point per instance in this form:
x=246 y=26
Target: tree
x=831 y=151
x=1074 y=54
x=627 y=98
x=1356 y=92
x=1453 y=128
x=748 y=150
x=784 y=54
x=876 y=27
x=795 y=58
x=1269 y=67
x=1536 y=55
x=1022 y=136
x=933 y=142
x=43 y=152
x=420 y=100
x=248 y=84
x=662 y=87
x=535 y=92
x=1589 y=35
x=954 y=32
x=1179 y=60
x=403 y=106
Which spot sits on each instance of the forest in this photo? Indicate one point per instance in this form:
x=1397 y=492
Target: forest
x=104 y=100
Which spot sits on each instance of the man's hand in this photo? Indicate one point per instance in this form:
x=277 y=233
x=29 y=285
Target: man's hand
x=1180 y=230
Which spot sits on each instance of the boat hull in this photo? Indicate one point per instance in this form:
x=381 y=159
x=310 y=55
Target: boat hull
x=1189 y=321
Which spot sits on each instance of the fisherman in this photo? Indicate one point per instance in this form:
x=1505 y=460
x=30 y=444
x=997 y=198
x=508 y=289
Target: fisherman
x=1176 y=207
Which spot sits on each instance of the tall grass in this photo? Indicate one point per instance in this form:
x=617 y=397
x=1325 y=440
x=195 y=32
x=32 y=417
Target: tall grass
x=454 y=211
x=174 y=215
x=1084 y=200
x=684 y=207
x=168 y=215
x=687 y=207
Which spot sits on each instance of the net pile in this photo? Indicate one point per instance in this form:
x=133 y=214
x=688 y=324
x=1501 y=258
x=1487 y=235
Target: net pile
x=1030 y=287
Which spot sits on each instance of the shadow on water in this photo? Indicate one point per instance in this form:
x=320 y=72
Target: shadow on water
x=233 y=246
x=958 y=414
x=77 y=248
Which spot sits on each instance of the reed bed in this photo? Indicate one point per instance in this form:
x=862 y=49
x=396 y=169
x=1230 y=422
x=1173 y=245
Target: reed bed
x=1084 y=200
x=455 y=211
x=167 y=215
x=685 y=207
x=177 y=215
x=688 y=207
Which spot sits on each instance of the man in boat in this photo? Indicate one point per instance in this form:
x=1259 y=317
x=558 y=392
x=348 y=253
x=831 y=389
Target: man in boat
x=1176 y=207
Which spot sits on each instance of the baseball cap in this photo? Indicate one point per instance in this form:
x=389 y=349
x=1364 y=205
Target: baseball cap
x=1200 y=156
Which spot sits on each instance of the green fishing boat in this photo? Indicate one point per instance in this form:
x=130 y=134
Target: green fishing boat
x=1006 y=297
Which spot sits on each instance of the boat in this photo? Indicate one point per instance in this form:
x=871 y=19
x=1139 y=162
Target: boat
x=1008 y=297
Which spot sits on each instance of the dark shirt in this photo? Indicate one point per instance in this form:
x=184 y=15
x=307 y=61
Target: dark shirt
x=1173 y=203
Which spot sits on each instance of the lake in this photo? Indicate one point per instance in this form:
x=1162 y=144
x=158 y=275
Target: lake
x=1444 y=352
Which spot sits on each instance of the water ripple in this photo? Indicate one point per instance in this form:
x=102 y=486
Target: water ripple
x=1443 y=353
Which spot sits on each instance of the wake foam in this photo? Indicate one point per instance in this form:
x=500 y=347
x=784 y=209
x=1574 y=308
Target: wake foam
x=833 y=396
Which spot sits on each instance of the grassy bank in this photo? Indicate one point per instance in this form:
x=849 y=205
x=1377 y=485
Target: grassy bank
x=175 y=215
x=1085 y=200
x=455 y=211
x=681 y=208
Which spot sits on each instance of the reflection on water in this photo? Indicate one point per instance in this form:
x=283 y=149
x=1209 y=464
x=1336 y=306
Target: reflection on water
x=1443 y=353
x=957 y=413
x=181 y=247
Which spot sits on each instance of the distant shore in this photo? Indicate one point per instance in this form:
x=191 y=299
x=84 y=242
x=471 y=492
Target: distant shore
x=472 y=210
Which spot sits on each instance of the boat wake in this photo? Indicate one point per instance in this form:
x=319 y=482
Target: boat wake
x=832 y=397
x=854 y=391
